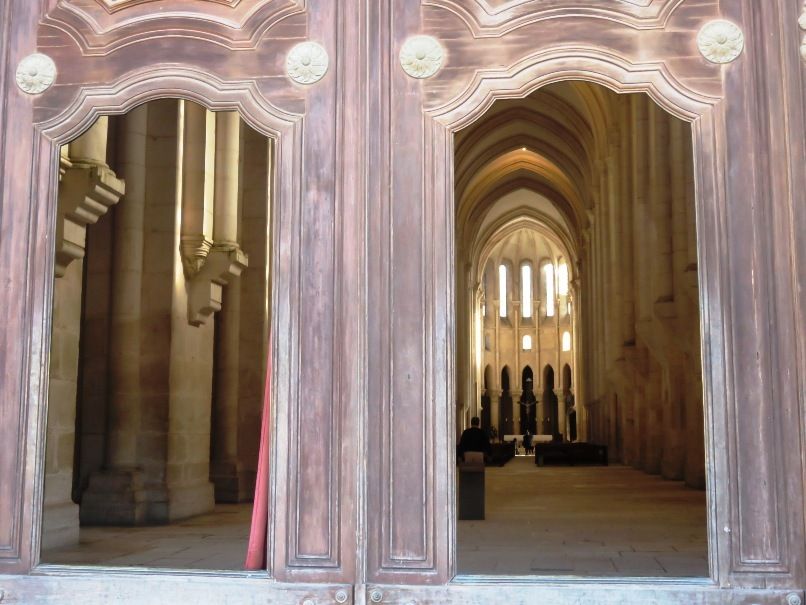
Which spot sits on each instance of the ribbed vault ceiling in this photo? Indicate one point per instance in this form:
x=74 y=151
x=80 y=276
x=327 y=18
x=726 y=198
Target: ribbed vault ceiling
x=547 y=143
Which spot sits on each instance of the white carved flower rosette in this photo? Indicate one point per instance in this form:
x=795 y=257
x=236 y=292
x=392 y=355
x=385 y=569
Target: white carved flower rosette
x=36 y=73
x=307 y=63
x=421 y=56
x=720 y=41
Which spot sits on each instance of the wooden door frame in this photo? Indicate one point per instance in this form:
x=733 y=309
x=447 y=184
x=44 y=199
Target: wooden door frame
x=487 y=56
x=757 y=557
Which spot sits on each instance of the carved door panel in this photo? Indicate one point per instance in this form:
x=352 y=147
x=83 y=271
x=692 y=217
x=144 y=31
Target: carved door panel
x=478 y=51
x=364 y=270
x=107 y=56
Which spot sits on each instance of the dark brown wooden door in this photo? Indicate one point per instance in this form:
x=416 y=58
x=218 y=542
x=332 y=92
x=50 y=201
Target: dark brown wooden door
x=364 y=242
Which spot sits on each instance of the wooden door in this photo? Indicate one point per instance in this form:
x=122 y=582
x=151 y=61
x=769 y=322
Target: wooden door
x=111 y=55
x=364 y=241
x=748 y=177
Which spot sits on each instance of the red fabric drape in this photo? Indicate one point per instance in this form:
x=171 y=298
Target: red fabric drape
x=256 y=551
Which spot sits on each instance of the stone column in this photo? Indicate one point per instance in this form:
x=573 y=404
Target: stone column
x=256 y=300
x=88 y=187
x=232 y=475
x=198 y=167
x=495 y=410
x=60 y=514
x=115 y=495
x=225 y=258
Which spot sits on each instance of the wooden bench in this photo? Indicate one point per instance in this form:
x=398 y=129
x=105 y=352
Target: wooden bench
x=570 y=453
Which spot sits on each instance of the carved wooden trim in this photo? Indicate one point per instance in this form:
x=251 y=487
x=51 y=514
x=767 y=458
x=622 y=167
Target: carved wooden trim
x=494 y=19
x=235 y=25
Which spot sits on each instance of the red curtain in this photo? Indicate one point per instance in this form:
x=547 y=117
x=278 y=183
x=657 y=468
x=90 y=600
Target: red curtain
x=256 y=551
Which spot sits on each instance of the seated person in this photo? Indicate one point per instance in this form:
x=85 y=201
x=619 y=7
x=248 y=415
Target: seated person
x=474 y=440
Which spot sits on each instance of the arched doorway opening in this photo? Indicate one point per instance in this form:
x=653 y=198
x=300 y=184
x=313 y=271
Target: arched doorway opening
x=554 y=193
x=550 y=424
x=507 y=421
x=528 y=403
x=486 y=401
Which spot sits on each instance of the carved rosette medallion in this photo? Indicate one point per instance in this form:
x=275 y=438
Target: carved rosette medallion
x=307 y=63
x=36 y=73
x=421 y=56
x=720 y=41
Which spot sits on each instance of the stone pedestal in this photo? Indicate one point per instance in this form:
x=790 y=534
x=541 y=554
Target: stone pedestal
x=117 y=497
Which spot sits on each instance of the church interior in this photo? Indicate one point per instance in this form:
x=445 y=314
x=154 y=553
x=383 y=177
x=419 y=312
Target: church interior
x=577 y=319
x=578 y=314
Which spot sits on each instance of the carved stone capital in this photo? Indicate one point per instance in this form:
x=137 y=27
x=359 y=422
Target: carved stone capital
x=86 y=192
x=194 y=249
x=205 y=288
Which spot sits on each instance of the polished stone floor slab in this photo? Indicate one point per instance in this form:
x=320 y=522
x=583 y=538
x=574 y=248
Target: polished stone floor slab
x=216 y=541
x=600 y=521
x=593 y=521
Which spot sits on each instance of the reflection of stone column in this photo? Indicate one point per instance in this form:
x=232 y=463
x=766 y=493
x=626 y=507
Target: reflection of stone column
x=198 y=140
x=115 y=495
x=60 y=514
x=225 y=233
x=224 y=471
x=127 y=274
x=225 y=259
x=88 y=187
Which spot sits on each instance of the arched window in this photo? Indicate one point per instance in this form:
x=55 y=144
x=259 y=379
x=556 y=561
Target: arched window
x=526 y=290
x=548 y=271
x=562 y=279
x=527 y=343
x=566 y=341
x=502 y=290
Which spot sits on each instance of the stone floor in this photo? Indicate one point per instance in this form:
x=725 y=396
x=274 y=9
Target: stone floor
x=600 y=521
x=215 y=541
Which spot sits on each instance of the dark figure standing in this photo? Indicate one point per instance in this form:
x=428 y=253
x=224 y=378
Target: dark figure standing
x=473 y=440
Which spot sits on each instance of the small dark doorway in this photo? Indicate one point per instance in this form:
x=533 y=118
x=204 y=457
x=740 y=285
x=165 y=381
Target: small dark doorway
x=528 y=403
x=506 y=417
x=486 y=400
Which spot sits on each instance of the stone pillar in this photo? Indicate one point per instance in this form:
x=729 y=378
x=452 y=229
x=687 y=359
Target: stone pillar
x=88 y=187
x=495 y=410
x=115 y=495
x=198 y=167
x=60 y=514
x=213 y=266
x=224 y=468
x=234 y=476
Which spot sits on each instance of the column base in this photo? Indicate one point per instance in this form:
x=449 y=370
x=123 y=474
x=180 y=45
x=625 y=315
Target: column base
x=232 y=485
x=115 y=497
x=60 y=525
x=190 y=500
